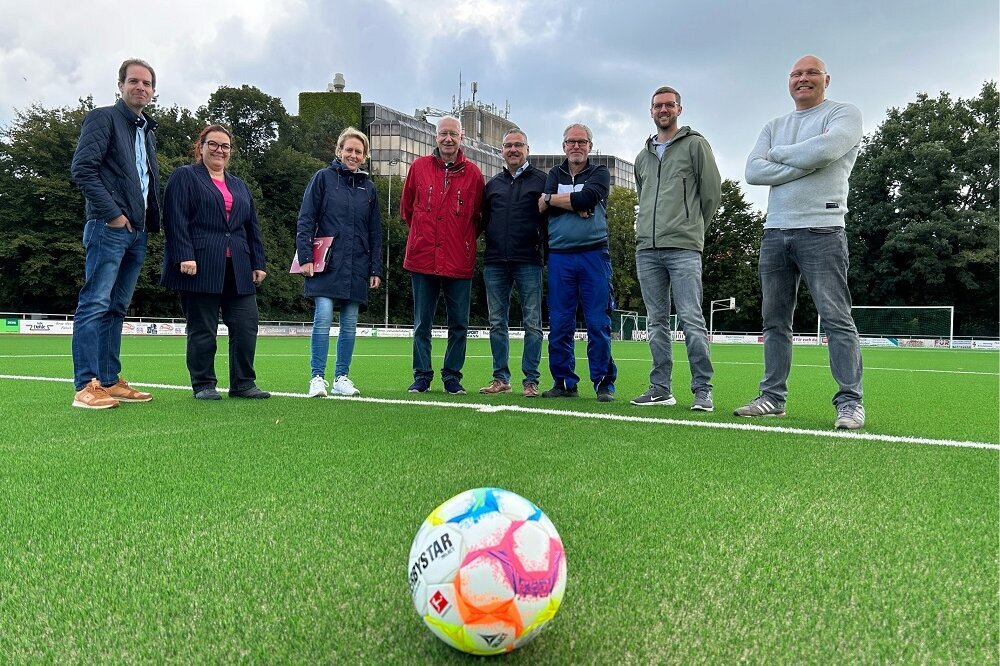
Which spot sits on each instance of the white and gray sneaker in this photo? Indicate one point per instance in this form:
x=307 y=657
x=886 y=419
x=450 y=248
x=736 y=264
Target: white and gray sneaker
x=317 y=387
x=761 y=406
x=703 y=401
x=344 y=386
x=850 y=416
x=654 y=396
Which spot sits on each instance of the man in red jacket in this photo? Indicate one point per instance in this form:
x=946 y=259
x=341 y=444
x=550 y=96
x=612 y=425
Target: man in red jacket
x=441 y=206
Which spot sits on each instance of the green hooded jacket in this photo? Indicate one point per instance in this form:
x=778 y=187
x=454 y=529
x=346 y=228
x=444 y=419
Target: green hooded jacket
x=678 y=195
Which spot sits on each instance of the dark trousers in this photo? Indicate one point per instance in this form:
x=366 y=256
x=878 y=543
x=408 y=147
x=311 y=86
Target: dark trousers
x=239 y=314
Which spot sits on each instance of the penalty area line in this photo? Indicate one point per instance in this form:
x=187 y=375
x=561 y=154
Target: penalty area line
x=626 y=418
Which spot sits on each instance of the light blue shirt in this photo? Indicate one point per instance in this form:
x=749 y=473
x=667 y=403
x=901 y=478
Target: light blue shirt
x=519 y=171
x=142 y=162
x=660 y=147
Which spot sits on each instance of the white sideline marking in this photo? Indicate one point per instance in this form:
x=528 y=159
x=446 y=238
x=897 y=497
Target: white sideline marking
x=680 y=361
x=492 y=409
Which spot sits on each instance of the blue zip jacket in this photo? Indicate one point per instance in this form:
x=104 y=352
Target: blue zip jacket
x=568 y=231
x=104 y=167
x=343 y=204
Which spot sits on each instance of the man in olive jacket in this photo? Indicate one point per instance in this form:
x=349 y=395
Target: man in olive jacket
x=679 y=191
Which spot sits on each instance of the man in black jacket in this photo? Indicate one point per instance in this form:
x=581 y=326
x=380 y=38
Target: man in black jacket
x=115 y=167
x=515 y=240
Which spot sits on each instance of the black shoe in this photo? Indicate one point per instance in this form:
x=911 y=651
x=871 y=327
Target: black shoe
x=252 y=393
x=420 y=385
x=605 y=395
x=207 y=394
x=560 y=391
x=454 y=387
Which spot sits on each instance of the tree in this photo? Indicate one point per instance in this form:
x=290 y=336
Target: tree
x=923 y=209
x=621 y=240
x=255 y=118
x=729 y=266
x=41 y=210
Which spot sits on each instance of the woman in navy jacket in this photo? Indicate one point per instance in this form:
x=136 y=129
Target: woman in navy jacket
x=214 y=256
x=340 y=201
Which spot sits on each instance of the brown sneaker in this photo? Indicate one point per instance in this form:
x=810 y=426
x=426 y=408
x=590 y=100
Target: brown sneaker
x=122 y=392
x=531 y=390
x=93 y=396
x=496 y=386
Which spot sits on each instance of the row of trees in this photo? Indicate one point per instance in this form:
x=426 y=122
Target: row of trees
x=922 y=227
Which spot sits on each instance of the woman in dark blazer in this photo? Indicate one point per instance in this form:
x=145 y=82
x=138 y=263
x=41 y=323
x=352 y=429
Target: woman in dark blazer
x=340 y=201
x=213 y=255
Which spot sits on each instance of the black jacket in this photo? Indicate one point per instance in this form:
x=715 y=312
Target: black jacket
x=104 y=167
x=515 y=230
x=196 y=229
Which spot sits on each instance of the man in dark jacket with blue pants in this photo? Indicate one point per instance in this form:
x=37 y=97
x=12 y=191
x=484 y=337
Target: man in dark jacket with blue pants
x=115 y=167
x=514 y=254
x=579 y=266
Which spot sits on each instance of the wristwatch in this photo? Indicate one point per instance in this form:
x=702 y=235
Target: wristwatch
x=546 y=198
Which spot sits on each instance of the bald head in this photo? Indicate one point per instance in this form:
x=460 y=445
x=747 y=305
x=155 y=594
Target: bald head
x=807 y=82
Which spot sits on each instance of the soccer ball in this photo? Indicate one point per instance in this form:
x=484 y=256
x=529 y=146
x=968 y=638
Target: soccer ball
x=487 y=571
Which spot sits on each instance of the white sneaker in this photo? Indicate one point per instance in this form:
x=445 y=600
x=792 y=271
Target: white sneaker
x=344 y=386
x=317 y=387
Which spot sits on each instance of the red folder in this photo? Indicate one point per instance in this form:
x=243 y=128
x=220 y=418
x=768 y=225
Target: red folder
x=321 y=252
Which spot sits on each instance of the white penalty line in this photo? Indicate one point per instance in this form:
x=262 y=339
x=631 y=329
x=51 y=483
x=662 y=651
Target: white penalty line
x=492 y=409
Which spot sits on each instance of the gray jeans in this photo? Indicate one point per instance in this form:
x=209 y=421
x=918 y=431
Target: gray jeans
x=679 y=271
x=819 y=255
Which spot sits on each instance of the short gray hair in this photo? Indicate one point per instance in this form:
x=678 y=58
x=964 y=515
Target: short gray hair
x=444 y=118
x=590 y=135
x=515 y=130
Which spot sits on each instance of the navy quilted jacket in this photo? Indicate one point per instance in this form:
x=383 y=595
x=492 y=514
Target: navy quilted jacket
x=104 y=167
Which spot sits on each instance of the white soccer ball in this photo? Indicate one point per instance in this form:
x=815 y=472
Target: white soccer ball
x=487 y=571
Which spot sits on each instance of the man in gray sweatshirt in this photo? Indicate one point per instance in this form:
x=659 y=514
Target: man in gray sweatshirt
x=806 y=158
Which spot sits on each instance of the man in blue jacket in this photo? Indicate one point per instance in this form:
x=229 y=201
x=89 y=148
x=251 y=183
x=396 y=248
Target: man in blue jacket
x=115 y=167
x=579 y=266
x=515 y=243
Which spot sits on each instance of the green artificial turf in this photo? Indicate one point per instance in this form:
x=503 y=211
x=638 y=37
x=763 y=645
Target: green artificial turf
x=278 y=531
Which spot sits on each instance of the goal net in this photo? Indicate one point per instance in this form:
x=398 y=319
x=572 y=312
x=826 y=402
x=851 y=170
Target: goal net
x=910 y=322
x=630 y=325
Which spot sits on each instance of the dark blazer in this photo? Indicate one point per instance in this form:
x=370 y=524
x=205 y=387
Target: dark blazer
x=515 y=230
x=196 y=229
x=104 y=167
x=341 y=203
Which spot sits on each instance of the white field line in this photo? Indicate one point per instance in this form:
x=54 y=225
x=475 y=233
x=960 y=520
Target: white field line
x=677 y=361
x=490 y=409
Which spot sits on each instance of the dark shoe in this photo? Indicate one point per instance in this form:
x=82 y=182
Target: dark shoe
x=207 y=394
x=605 y=394
x=420 y=385
x=560 y=391
x=252 y=393
x=454 y=387
x=703 y=401
x=654 y=396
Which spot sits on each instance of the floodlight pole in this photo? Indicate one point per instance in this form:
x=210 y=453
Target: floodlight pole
x=729 y=304
x=388 y=223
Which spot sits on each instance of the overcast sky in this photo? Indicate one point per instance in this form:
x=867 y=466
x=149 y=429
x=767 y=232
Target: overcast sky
x=554 y=62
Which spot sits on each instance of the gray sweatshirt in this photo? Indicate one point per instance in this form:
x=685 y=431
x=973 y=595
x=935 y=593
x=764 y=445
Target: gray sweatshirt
x=806 y=157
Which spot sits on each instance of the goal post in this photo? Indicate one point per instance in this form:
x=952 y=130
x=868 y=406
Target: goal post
x=902 y=321
x=630 y=325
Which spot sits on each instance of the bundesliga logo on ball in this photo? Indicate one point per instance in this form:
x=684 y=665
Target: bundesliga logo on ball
x=487 y=571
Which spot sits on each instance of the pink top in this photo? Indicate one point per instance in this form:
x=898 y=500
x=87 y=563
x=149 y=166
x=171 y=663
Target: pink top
x=227 y=197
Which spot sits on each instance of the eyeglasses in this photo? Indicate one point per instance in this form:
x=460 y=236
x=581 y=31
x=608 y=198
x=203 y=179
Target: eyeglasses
x=665 y=105
x=576 y=142
x=446 y=133
x=515 y=144
x=214 y=145
x=811 y=73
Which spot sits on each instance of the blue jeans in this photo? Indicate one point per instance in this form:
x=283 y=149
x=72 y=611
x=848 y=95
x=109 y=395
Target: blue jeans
x=457 y=297
x=500 y=279
x=114 y=258
x=320 y=344
x=581 y=278
x=679 y=271
x=820 y=256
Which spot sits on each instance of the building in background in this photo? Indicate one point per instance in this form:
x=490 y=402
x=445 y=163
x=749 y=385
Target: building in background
x=397 y=139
